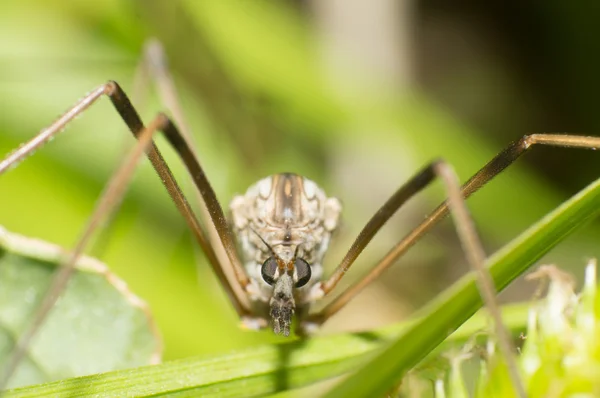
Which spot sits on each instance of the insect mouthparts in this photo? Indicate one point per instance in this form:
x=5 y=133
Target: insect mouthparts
x=281 y=314
x=282 y=305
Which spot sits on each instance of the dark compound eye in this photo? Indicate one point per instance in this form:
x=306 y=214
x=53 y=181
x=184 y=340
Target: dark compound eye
x=269 y=269
x=303 y=271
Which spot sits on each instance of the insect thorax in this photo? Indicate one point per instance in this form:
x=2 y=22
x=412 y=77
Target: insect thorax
x=293 y=216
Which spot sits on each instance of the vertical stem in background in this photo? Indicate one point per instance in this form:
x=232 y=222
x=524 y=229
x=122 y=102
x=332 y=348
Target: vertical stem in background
x=366 y=39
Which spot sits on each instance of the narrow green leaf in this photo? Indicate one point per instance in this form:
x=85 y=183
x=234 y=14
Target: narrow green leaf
x=252 y=371
x=453 y=307
x=97 y=325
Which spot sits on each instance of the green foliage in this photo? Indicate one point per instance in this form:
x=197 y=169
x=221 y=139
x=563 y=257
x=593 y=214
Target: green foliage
x=254 y=88
x=256 y=370
x=97 y=325
x=559 y=356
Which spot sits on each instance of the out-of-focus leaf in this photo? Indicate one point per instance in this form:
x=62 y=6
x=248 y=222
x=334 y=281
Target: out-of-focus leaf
x=97 y=325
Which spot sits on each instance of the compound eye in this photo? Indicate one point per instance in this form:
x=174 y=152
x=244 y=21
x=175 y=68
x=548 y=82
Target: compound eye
x=269 y=269
x=303 y=270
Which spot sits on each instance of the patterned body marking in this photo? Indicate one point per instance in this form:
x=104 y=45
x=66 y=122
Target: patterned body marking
x=285 y=217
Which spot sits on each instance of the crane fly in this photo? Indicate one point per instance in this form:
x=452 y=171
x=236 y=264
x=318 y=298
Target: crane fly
x=280 y=229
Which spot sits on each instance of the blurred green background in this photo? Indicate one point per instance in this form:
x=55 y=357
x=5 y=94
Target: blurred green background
x=356 y=95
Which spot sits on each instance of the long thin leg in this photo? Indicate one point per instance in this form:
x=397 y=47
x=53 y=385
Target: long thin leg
x=133 y=121
x=154 y=69
x=109 y=199
x=469 y=241
x=483 y=176
x=183 y=149
x=476 y=258
x=158 y=71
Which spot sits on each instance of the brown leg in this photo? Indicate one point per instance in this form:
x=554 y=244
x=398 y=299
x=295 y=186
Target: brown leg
x=422 y=179
x=114 y=193
x=131 y=118
x=471 y=246
x=476 y=258
x=108 y=201
x=154 y=71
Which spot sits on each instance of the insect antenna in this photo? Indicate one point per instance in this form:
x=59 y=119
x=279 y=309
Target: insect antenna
x=268 y=246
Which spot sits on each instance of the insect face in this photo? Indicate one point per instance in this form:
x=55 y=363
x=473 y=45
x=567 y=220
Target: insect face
x=283 y=226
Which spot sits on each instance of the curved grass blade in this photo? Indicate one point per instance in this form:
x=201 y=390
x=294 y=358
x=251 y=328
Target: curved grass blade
x=454 y=306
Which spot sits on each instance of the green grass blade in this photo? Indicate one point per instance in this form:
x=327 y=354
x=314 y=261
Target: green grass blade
x=453 y=307
x=253 y=371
